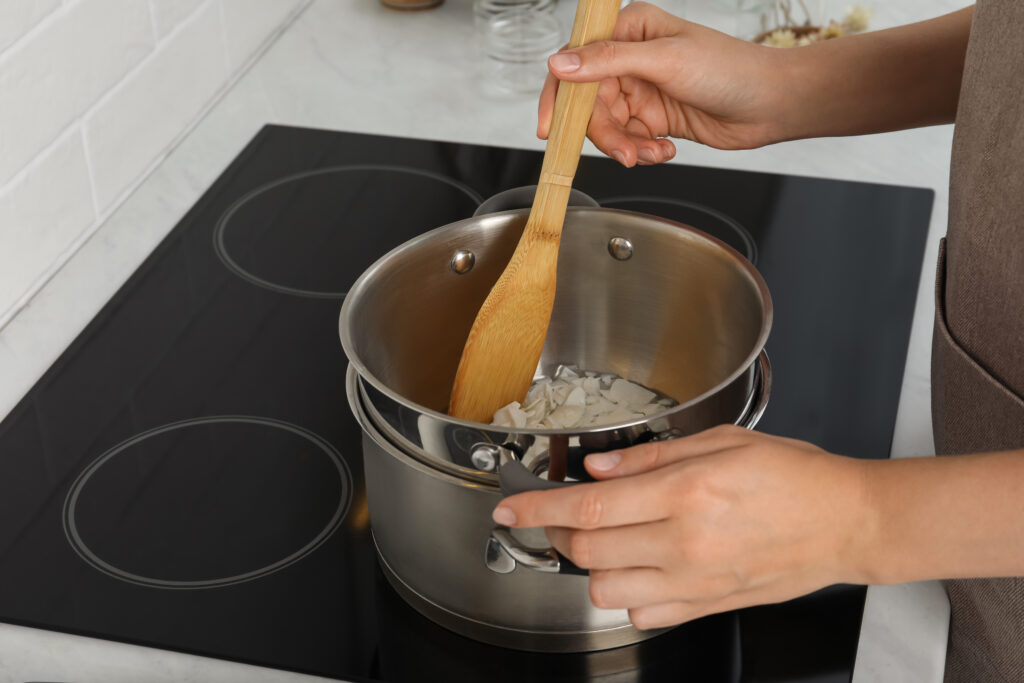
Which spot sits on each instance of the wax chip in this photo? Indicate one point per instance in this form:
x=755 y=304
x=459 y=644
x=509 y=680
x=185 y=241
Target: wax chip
x=511 y=416
x=634 y=395
x=574 y=398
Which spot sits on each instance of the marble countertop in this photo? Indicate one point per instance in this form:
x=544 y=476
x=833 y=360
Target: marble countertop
x=355 y=66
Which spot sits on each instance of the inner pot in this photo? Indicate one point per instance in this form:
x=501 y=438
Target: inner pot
x=651 y=300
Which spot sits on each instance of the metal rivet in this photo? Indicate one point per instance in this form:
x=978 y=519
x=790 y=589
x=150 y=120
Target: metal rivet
x=462 y=261
x=485 y=456
x=620 y=248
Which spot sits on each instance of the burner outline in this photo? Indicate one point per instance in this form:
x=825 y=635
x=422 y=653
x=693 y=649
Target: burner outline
x=218 y=232
x=737 y=227
x=82 y=549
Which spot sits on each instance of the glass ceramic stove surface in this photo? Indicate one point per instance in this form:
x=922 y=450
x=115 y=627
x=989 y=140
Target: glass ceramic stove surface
x=188 y=474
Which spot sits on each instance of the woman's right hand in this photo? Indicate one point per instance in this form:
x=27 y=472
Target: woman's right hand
x=664 y=76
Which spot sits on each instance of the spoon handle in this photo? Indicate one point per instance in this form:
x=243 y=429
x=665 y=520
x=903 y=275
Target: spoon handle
x=574 y=104
x=507 y=337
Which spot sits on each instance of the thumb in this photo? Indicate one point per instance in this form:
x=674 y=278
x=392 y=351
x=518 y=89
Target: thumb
x=610 y=59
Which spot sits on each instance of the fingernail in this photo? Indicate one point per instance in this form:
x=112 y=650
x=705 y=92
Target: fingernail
x=619 y=157
x=603 y=461
x=564 y=61
x=648 y=156
x=503 y=516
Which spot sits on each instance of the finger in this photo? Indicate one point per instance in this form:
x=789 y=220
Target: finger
x=656 y=151
x=649 y=151
x=546 y=106
x=656 y=454
x=672 y=613
x=668 y=149
x=662 y=615
x=625 y=144
x=585 y=506
x=616 y=547
x=629 y=588
x=653 y=150
x=609 y=137
x=650 y=60
x=644 y=21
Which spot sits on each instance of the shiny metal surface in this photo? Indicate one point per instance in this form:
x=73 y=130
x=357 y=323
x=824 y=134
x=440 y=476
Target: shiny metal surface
x=431 y=529
x=485 y=456
x=497 y=558
x=620 y=248
x=538 y=559
x=463 y=261
x=686 y=316
x=612 y=640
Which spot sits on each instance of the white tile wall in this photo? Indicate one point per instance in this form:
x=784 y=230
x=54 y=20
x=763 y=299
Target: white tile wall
x=154 y=104
x=18 y=16
x=51 y=207
x=169 y=13
x=93 y=93
x=49 y=81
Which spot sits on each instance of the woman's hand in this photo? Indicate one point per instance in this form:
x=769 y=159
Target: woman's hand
x=717 y=521
x=663 y=76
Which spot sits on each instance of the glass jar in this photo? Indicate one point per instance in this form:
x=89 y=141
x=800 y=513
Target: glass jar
x=410 y=4
x=516 y=37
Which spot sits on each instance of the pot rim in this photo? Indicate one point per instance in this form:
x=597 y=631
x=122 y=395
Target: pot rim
x=658 y=222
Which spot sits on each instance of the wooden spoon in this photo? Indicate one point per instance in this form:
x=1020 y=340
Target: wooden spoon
x=507 y=337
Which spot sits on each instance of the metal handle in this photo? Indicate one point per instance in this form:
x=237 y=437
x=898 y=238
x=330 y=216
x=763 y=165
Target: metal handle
x=760 y=394
x=504 y=553
x=513 y=477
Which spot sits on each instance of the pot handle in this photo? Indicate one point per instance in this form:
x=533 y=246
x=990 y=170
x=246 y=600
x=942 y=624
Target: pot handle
x=513 y=477
x=760 y=394
x=505 y=552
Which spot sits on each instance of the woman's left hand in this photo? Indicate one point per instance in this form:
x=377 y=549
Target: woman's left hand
x=712 y=522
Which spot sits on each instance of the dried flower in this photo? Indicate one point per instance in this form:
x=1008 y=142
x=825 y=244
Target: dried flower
x=857 y=18
x=789 y=33
x=780 y=38
x=833 y=30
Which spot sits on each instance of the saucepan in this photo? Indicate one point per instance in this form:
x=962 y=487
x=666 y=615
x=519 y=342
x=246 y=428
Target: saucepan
x=656 y=302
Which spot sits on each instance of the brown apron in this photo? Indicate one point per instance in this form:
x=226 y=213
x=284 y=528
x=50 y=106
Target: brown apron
x=978 y=347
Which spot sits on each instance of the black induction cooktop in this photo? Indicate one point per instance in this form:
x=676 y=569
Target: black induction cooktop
x=188 y=476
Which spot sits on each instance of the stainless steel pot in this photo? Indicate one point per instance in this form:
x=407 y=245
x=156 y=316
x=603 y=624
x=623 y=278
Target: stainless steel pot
x=432 y=531
x=645 y=298
x=651 y=300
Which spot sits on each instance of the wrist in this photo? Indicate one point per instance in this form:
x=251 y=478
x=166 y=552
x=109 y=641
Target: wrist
x=789 y=90
x=861 y=544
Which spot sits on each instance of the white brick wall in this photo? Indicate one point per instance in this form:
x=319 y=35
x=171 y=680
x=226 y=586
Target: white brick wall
x=93 y=93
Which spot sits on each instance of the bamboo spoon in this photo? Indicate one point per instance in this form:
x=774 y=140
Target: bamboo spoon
x=507 y=337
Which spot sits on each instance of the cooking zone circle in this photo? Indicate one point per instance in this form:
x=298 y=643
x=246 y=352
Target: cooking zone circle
x=302 y=234
x=701 y=217
x=207 y=502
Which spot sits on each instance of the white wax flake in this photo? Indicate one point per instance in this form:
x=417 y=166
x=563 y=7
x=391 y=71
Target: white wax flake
x=511 y=416
x=634 y=395
x=574 y=398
